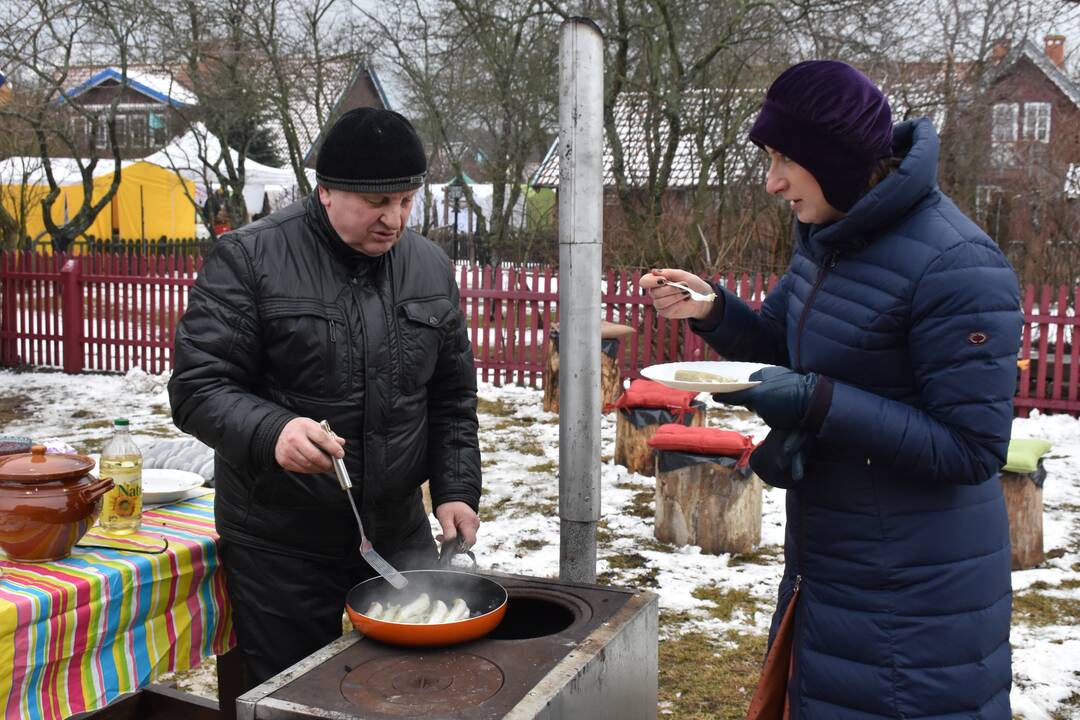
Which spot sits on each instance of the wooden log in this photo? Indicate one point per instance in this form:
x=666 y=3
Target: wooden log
x=1024 y=502
x=610 y=379
x=632 y=443
x=551 y=377
x=708 y=505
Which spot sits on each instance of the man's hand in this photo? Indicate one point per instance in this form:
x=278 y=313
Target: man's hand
x=458 y=521
x=303 y=445
x=672 y=302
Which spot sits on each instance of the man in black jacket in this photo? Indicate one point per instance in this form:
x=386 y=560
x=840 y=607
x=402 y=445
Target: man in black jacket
x=329 y=310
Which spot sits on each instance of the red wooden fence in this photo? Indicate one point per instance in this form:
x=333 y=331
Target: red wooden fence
x=105 y=312
x=100 y=312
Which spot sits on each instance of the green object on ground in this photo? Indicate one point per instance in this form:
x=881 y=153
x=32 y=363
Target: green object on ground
x=1025 y=453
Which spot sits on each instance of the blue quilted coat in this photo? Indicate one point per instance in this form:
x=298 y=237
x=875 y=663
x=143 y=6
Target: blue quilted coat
x=898 y=535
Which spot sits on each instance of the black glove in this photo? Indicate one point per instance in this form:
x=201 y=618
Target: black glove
x=783 y=398
x=779 y=459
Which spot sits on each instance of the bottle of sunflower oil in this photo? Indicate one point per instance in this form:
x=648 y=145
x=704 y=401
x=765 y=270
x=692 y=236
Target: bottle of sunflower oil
x=121 y=511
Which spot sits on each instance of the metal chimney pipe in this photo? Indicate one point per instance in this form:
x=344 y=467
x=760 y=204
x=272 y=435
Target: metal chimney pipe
x=581 y=204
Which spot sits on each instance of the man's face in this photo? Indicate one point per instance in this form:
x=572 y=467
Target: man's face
x=794 y=183
x=370 y=223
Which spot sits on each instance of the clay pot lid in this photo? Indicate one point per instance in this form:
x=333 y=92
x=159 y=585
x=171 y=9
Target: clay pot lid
x=37 y=466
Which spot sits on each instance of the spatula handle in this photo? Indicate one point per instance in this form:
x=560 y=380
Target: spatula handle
x=339 y=463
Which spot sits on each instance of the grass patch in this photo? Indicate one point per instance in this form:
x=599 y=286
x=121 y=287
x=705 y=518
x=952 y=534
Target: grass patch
x=514 y=422
x=81 y=413
x=604 y=534
x=491 y=511
x=631 y=486
x=671 y=621
x=1055 y=553
x=641 y=505
x=1039 y=609
x=498 y=408
x=651 y=543
x=164 y=432
x=644 y=579
x=620 y=563
x=626 y=561
x=726 y=602
x=526 y=445
x=1070 y=708
x=99 y=424
x=15 y=407
x=551 y=467
x=764 y=555
x=530 y=544
x=544 y=508
x=701 y=679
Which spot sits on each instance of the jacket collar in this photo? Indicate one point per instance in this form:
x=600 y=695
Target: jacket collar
x=917 y=143
x=319 y=222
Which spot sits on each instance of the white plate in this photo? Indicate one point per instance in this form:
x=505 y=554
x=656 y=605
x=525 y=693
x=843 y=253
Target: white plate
x=166 y=486
x=739 y=372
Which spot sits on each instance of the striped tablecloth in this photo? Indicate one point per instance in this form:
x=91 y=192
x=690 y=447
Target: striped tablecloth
x=77 y=633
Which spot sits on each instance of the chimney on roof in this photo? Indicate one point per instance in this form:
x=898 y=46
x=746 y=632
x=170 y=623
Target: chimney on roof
x=1055 y=49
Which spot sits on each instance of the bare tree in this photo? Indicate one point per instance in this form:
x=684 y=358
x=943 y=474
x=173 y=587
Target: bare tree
x=209 y=48
x=311 y=49
x=481 y=77
x=39 y=48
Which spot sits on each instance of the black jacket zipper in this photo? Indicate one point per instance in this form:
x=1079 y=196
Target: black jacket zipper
x=331 y=355
x=828 y=264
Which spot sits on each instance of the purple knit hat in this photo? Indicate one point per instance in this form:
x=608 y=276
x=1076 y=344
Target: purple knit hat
x=831 y=119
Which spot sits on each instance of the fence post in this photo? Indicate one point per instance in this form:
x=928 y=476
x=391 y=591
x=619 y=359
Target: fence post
x=8 y=303
x=73 y=316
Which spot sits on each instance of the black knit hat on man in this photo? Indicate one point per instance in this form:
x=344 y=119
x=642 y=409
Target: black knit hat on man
x=369 y=150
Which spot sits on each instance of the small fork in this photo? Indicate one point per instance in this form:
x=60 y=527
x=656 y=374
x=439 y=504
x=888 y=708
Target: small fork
x=694 y=294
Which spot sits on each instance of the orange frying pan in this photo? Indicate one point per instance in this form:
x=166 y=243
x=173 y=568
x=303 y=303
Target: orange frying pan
x=485 y=597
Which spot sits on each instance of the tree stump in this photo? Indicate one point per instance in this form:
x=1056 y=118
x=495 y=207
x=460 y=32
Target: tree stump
x=709 y=505
x=610 y=375
x=1024 y=502
x=632 y=442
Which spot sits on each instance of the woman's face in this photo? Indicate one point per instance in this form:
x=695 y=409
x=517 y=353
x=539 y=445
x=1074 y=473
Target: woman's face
x=794 y=183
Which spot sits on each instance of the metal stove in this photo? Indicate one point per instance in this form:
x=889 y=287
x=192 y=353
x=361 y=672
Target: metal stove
x=563 y=651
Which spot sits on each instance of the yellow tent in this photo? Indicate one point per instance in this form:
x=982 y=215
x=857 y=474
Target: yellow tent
x=151 y=201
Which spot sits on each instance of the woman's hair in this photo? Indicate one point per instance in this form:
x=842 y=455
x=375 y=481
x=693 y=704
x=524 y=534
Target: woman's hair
x=882 y=169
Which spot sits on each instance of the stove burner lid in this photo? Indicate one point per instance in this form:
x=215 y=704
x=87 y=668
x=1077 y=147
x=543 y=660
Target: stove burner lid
x=415 y=685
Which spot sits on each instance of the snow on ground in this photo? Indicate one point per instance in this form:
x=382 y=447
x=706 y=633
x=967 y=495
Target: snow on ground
x=520 y=533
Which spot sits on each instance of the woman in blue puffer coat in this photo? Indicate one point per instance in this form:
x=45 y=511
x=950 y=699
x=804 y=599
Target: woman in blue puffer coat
x=895 y=329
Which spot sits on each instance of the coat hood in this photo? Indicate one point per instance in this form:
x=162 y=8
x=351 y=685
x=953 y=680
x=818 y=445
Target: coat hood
x=917 y=143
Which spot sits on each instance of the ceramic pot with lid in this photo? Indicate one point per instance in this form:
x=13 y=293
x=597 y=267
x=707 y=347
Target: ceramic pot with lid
x=47 y=502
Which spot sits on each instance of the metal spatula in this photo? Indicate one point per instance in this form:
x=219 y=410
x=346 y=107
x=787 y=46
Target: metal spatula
x=367 y=550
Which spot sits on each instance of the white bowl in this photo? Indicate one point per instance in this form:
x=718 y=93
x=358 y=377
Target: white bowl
x=161 y=485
